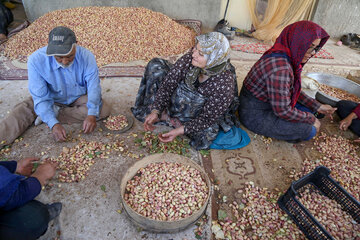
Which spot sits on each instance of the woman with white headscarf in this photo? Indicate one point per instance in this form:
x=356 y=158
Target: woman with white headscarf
x=197 y=95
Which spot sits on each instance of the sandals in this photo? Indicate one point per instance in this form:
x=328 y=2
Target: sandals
x=351 y=40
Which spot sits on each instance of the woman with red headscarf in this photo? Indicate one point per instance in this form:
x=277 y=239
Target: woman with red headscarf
x=271 y=101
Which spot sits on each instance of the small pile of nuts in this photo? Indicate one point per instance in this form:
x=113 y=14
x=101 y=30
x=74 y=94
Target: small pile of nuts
x=338 y=93
x=328 y=212
x=340 y=156
x=166 y=191
x=112 y=34
x=5 y=150
x=258 y=217
x=116 y=122
x=152 y=143
x=266 y=140
x=76 y=161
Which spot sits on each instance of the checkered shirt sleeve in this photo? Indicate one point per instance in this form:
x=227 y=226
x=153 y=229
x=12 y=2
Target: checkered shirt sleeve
x=271 y=80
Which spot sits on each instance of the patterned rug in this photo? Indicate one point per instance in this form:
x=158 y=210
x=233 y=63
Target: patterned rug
x=260 y=48
x=16 y=70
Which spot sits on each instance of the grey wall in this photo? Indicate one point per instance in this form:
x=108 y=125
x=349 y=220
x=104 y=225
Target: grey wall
x=338 y=17
x=206 y=11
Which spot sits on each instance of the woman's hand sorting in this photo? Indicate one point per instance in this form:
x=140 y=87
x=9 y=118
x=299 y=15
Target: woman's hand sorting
x=170 y=136
x=327 y=110
x=150 y=120
x=346 y=122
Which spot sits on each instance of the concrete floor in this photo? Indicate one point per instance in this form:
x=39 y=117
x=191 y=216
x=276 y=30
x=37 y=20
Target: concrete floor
x=90 y=213
x=87 y=212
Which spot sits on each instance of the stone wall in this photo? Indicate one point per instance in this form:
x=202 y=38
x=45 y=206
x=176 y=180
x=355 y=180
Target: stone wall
x=338 y=17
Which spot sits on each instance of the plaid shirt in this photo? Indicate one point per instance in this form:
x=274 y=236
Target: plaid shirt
x=271 y=80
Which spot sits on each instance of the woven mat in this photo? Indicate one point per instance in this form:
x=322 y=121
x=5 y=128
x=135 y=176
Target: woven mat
x=260 y=48
x=17 y=70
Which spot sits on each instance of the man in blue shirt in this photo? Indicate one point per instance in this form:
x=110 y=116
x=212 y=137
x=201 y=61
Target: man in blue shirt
x=65 y=88
x=22 y=217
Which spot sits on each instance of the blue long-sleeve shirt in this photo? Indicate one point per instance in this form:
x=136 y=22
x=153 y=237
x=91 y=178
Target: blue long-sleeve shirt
x=50 y=83
x=16 y=190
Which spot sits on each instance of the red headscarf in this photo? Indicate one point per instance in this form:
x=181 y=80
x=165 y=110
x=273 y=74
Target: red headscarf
x=294 y=41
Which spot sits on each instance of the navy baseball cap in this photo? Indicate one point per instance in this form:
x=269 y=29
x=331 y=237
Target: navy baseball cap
x=61 y=41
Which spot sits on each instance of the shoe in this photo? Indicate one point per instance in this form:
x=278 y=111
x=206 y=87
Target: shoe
x=346 y=39
x=54 y=210
x=22 y=26
x=38 y=121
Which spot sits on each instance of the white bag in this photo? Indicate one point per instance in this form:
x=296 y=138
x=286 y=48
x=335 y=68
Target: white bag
x=309 y=86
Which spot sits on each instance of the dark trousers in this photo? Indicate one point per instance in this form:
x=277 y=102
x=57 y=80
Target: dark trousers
x=6 y=17
x=27 y=222
x=259 y=117
x=344 y=108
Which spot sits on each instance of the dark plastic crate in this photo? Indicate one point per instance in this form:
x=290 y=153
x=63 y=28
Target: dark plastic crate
x=320 y=179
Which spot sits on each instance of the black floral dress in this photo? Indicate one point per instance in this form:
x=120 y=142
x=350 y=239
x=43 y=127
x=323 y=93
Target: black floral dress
x=202 y=112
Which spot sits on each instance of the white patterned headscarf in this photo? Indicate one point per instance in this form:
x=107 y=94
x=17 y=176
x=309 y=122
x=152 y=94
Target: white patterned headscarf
x=215 y=47
x=216 y=50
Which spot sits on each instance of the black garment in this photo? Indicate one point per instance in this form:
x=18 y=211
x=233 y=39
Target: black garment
x=259 y=117
x=185 y=103
x=27 y=222
x=344 y=108
x=155 y=72
x=6 y=17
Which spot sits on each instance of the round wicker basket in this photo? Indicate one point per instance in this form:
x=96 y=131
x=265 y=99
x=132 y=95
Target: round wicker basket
x=155 y=225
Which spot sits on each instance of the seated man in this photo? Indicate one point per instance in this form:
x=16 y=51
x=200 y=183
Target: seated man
x=63 y=78
x=22 y=217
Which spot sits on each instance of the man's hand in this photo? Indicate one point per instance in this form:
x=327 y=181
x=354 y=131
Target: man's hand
x=150 y=120
x=25 y=166
x=327 y=110
x=45 y=172
x=59 y=132
x=170 y=136
x=346 y=122
x=89 y=124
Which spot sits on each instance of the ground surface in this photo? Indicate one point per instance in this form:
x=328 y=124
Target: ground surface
x=90 y=207
x=91 y=213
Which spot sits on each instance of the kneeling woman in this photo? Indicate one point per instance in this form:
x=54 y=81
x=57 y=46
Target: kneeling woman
x=271 y=101
x=197 y=95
